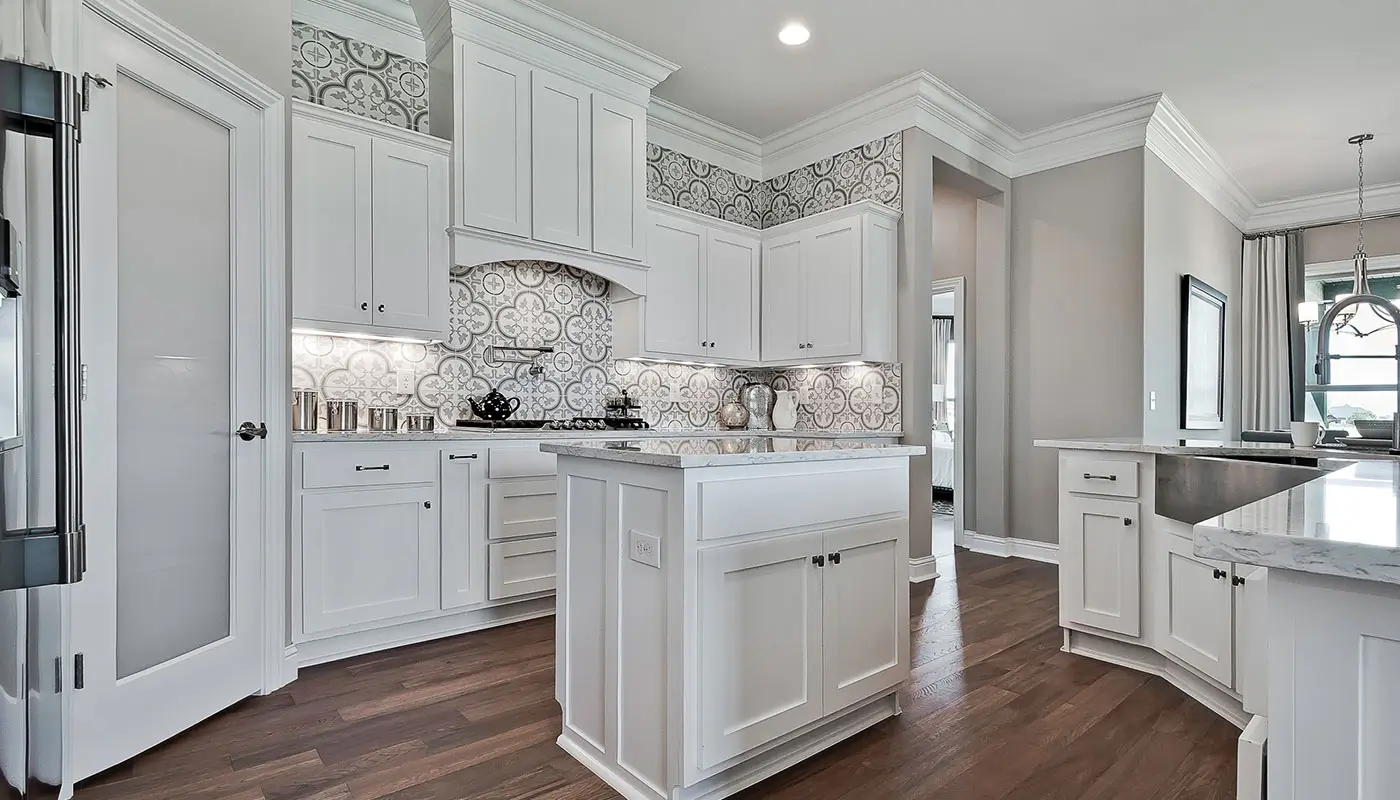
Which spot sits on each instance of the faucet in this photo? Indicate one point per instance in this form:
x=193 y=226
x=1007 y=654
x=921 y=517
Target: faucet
x=1386 y=309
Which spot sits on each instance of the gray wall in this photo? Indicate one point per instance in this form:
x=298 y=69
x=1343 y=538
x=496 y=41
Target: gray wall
x=1076 y=320
x=915 y=301
x=1338 y=242
x=254 y=34
x=1184 y=234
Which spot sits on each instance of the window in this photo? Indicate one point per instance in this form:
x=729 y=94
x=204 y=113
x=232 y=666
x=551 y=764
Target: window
x=1363 y=379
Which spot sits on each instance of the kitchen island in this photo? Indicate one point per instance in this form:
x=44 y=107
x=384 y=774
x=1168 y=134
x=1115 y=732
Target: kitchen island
x=1261 y=579
x=726 y=607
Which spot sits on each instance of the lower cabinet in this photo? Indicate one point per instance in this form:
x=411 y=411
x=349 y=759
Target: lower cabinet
x=1100 y=564
x=522 y=566
x=831 y=607
x=1199 y=611
x=463 y=560
x=368 y=555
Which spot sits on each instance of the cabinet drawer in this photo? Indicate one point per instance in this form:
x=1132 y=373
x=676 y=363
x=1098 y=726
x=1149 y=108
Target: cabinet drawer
x=742 y=506
x=331 y=469
x=1097 y=476
x=521 y=462
x=521 y=508
x=521 y=567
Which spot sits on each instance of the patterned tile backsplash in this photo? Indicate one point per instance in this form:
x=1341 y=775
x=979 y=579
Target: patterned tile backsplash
x=337 y=72
x=539 y=304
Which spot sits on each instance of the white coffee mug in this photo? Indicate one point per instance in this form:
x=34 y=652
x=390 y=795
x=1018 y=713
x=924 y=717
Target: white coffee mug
x=1306 y=434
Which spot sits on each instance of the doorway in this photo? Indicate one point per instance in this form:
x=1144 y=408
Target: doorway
x=946 y=449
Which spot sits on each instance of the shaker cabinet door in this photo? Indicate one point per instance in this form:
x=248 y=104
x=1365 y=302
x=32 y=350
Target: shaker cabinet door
x=784 y=335
x=831 y=290
x=561 y=160
x=332 y=240
x=676 y=255
x=731 y=296
x=494 y=151
x=1199 y=611
x=410 y=238
x=866 y=606
x=1100 y=567
x=620 y=218
x=463 y=527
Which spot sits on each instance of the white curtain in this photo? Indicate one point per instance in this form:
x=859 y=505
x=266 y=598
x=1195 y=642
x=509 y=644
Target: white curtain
x=942 y=335
x=1267 y=386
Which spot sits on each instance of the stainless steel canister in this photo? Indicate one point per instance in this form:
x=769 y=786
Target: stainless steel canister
x=420 y=422
x=342 y=415
x=382 y=418
x=305 y=408
x=758 y=398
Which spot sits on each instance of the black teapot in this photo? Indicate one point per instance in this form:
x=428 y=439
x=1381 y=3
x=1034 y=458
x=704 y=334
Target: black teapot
x=494 y=406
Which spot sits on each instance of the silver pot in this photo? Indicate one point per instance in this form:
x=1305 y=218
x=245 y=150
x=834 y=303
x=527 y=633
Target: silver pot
x=758 y=398
x=420 y=422
x=305 y=408
x=384 y=419
x=342 y=416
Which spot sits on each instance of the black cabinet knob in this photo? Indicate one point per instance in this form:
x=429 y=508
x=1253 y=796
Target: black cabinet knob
x=427 y=504
x=364 y=306
x=381 y=308
x=1237 y=580
x=835 y=558
x=1220 y=574
x=819 y=560
x=1127 y=523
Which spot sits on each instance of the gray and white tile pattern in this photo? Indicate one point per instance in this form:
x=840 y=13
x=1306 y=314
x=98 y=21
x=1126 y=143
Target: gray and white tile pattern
x=349 y=75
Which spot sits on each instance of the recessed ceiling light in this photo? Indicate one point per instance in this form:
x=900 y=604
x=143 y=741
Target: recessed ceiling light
x=794 y=34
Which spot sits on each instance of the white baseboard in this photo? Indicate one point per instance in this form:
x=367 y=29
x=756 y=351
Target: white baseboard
x=923 y=569
x=1011 y=548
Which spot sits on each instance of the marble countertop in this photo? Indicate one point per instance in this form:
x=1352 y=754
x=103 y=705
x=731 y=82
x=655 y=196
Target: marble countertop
x=1345 y=523
x=727 y=452
x=460 y=434
x=1209 y=447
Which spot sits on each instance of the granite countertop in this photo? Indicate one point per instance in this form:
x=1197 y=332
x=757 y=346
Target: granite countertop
x=1209 y=447
x=460 y=434
x=727 y=452
x=1345 y=523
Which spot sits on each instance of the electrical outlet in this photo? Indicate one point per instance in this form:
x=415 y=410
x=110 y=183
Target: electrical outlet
x=403 y=381
x=1151 y=401
x=646 y=549
x=804 y=396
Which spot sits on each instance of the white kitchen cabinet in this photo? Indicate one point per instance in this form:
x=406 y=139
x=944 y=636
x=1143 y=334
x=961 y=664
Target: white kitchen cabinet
x=368 y=556
x=369 y=220
x=1100 y=565
x=561 y=132
x=493 y=173
x=332 y=213
x=865 y=603
x=760 y=629
x=702 y=300
x=1251 y=640
x=1198 y=613
x=620 y=219
x=463 y=538
x=829 y=284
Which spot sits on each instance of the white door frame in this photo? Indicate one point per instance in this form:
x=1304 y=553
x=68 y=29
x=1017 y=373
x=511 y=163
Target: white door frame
x=958 y=287
x=271 y=107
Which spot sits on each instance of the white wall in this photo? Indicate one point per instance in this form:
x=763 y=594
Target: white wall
x=1184 y=234
x=254 y=34
x=1076 y=320
x=1338 y=242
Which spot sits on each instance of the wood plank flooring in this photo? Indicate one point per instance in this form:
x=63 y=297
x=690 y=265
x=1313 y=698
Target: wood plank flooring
x=993 y=709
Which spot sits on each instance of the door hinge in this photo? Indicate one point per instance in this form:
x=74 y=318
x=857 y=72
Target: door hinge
x=78 y=680
x=83 y=383
x=89 y=80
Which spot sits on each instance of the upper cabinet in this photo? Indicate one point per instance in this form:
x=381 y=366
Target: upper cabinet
x=829 y=287
x=702 y=297
x=816 y=291
x=369 y=226
x=549 y=139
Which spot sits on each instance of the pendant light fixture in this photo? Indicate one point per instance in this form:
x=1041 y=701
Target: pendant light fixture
x=1365 y=319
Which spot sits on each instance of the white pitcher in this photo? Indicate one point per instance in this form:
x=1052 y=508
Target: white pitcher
x=785 y=411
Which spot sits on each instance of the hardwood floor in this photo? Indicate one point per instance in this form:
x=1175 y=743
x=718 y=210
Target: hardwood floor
x=993 y=709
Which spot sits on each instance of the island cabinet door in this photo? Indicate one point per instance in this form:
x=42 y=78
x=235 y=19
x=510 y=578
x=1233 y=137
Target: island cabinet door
x=368 y=555
x=1199 y=609
x=866 y=606
x=463 y=524
x=1100 y=564
x=760 y=643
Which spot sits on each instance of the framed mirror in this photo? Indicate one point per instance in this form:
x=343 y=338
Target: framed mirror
x=1202 y=379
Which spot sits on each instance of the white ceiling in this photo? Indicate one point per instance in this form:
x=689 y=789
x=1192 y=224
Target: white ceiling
x=1275 y=86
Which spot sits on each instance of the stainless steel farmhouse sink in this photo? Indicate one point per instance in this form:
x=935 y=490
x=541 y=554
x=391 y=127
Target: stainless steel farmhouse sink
x=1193 y=489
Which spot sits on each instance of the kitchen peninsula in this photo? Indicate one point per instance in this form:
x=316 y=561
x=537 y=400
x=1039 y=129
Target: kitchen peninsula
x=1262 y=579
x=726 y=607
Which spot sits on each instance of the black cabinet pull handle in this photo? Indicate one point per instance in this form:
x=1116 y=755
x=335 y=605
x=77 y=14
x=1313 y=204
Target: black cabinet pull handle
x=1220 y=574
x=359 y=468
x=427 y=504
x=835 y=558
x=819 y=560
x=1237 y=580
x=364 y=306
x=455 y=457
x=1091 y=477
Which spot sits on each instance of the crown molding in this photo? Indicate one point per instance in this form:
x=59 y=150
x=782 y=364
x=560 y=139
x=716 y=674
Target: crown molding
x=919 y=100
x=684 y=131
x=387 y=24
x=1172 y=138
x=1321 y=209
x=1101 y=133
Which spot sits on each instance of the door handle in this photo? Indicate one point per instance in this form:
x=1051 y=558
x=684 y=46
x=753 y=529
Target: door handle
x=248 y=431
x=384 y=468
x=1091 y=477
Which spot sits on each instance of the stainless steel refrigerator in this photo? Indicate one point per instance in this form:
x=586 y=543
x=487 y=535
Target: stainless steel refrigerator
x=42 y=545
